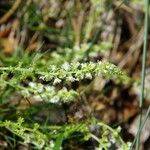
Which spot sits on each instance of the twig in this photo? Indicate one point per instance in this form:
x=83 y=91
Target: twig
x=6 y=16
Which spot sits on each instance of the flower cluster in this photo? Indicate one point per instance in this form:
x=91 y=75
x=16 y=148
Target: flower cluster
x=49 y=93
x=66 y=72
x=79 y=71
x=55 y=75
x=81 y=53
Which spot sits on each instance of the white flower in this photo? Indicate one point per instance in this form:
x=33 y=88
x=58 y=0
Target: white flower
x=81 y=76
x=56 y=81
x=52 y=68
x=71 y=78
x=26 y=138
x=64 y=89
x=118 y=129
x=88 y=75
x=52 y=144
x=66 y=66
x=54 y=99
x=76 y=64
x=98 y=73
x=105 y=71
x=39 y=88
x=93 y=54
x=42 y=77
x=76 y=48
x=113 y=140
x=32 y=84
x=92 y=65
x=98 y=148
x=129 y=144
x=99 y=62
x=55 y=55
x=37 y=98
x=25 y=93
x=49 y=88
x=84 y=65
x=85 y=46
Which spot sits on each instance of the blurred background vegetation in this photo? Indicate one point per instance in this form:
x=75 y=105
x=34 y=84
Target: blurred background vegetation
x=41 y=33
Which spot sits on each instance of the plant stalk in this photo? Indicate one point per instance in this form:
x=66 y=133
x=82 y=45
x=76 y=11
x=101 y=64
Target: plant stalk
x=145 y=46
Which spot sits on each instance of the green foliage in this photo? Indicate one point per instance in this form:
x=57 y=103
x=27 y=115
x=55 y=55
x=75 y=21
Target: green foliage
x=26 y=78
x=77 y=54
x=54 y=75
x=49 y=81
x=58 y=134
x=29 y=135
x=49 y=77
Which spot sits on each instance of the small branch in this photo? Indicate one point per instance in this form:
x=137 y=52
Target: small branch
x=6 y=16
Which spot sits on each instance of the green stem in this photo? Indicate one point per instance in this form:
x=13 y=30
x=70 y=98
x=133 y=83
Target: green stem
x=141 y=127
x=97 y=139
x=143 y=68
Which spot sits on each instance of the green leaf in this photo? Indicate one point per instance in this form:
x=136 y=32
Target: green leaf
x=58 y=143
